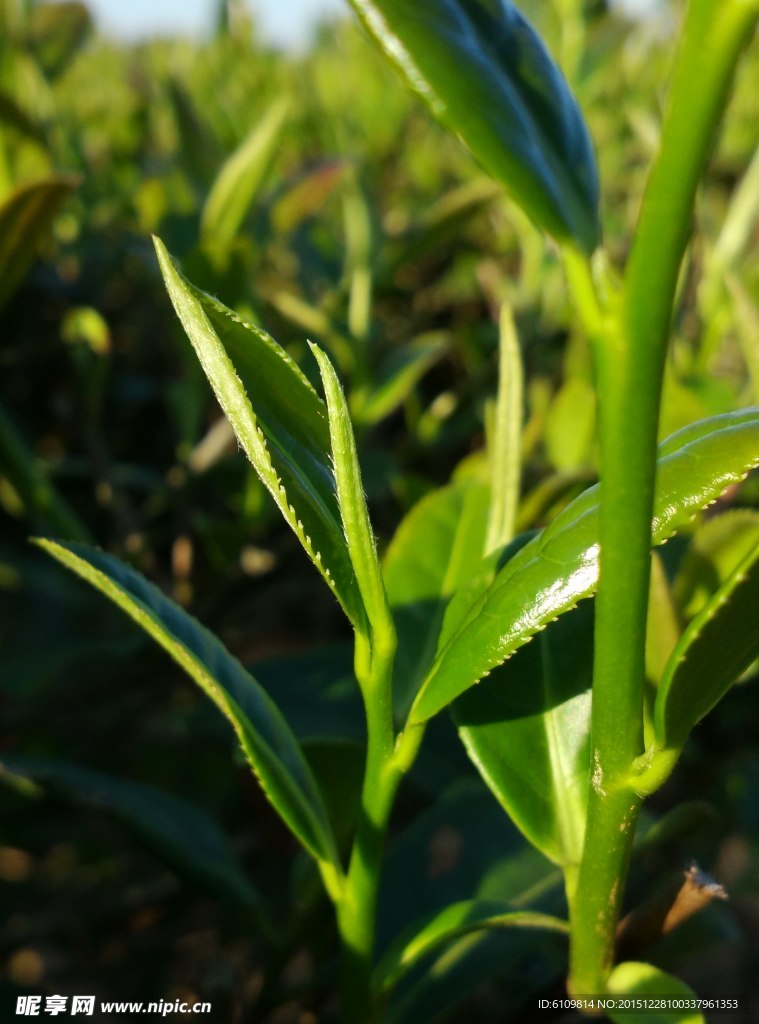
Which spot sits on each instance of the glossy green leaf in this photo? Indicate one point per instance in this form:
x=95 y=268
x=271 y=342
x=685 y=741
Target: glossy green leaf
x=265 y=737
x=560 y=566
x=484 y=71
x=26 y=217
x=359 y=537
x=280 y=422
x=716 y=647
x=641 y=980
x=718 y=546
x=434 y=551
x=453 y=922
x=527 y=730
x=178 y=832
x=238 y=181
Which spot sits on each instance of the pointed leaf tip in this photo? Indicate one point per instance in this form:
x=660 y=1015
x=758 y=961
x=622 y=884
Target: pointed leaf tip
x=485 y=72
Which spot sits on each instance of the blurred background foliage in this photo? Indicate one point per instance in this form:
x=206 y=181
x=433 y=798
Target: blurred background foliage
x=312 y=192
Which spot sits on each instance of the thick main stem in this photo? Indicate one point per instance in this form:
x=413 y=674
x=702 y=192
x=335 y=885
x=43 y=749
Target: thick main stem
x=630 y=344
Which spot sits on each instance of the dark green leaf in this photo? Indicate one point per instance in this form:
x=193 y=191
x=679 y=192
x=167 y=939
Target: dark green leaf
x=716 y=647
x=270 y=747
x=560 y=566
x=485 y=72
x=280 y=422
x=527 y=729
x=178 y=832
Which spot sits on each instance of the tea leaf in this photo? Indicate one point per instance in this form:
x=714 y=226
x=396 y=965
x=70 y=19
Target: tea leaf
x=26 y=216
x=280 y=422
x=527 y=730
x=175 y=830
x=353 y=511
x=636 y=979
x=485 y=72
x=236 y=185
x=270 y=747
x=560 y=566
x=453 y=922
x=716 y=647
x=433 y=553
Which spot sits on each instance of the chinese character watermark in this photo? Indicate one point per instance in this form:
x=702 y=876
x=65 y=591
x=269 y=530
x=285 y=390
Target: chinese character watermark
x=28 y=1006
x=83 y=1004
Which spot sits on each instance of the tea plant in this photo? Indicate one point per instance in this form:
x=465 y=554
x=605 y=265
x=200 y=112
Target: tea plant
x=574 y=732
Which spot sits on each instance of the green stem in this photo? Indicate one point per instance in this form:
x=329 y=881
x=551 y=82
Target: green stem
x=630 y=343
x=387 y=761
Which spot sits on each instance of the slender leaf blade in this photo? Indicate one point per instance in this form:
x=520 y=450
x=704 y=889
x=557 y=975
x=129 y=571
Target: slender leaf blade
x=485 y=72
x=269 y=746
x=238 y=181
x=280 y=422
x=716 y=647
x=353 y=511
x=560 y=566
